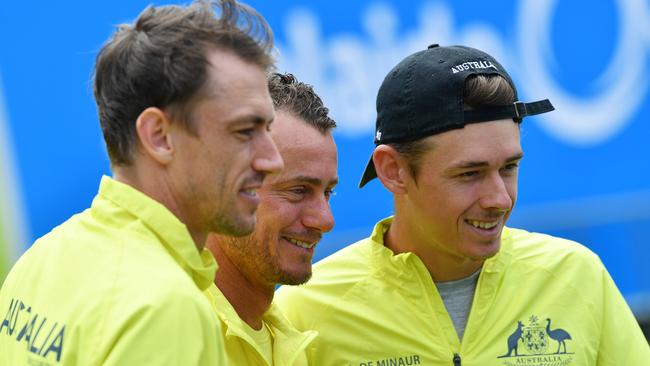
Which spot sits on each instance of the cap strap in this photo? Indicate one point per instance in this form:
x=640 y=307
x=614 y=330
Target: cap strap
x=517 y=111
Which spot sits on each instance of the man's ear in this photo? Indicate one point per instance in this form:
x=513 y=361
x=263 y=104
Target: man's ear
x=154 y=132
x=392 y=170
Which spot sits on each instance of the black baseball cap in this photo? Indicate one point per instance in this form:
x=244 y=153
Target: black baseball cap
x=423 y=96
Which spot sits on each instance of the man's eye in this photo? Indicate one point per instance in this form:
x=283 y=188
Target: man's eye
x=298 y=190
x=329 y=193
x=246 y=132
x=511 y=166
x=469 y=174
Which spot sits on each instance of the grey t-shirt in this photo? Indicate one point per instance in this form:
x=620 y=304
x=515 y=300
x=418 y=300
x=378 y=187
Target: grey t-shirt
x=457 y=296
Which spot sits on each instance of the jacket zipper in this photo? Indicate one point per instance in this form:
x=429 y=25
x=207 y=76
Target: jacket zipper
x=456 y=359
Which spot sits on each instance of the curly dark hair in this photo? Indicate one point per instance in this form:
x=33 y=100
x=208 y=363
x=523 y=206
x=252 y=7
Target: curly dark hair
x=300 y=99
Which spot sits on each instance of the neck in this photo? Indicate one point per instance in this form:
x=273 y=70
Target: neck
x=250 y=297
x=441 y=264
x=153 y=185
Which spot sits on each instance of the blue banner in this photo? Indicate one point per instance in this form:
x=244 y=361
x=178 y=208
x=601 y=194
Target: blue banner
x=586 y=174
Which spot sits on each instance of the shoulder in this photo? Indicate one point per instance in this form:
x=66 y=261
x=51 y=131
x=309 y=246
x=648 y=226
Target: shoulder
x=333 y=279
x=348 y=263
x=178 y=328
x=546 y=250
x=102 y=272
x=142 y=316
x=343 y=268
x=538 y=256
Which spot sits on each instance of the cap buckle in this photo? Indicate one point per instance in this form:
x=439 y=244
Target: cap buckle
x=520 y=109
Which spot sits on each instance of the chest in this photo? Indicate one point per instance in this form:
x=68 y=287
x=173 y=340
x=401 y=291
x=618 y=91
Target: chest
x=509 y=324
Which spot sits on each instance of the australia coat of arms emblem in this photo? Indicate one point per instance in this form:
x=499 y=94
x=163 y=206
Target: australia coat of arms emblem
x=539 y=343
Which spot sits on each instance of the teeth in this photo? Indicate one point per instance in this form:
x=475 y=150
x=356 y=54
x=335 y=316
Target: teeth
x=301 y=244
x=483 y=224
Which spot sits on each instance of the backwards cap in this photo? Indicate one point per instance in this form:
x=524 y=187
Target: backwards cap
x=423 y=96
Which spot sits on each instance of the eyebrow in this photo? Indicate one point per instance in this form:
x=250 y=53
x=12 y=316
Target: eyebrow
x=481 y=164
x=312 y=180
x=257 y=120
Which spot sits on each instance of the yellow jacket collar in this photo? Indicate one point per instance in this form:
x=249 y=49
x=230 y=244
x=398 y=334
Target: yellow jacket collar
x=288 y=342
x=171 y=231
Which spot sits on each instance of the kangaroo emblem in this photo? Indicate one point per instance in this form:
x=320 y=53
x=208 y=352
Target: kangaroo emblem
x=513 y=340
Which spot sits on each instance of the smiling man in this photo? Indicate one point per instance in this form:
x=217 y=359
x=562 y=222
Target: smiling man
x=185 y=111
x=444 y=281
x=294 y=213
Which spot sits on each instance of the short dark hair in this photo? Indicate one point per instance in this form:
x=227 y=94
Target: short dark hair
x=480 y=91
x=161 y=61
x=299 y=99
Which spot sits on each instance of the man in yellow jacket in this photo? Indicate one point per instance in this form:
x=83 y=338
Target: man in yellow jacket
x=443 y=281
x=294 y=213
x=185 y=110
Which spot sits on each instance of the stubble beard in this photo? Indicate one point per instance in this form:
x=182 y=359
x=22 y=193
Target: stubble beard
x=256 y=254
x=231 y=225
x=228 y=220
x=276 y=273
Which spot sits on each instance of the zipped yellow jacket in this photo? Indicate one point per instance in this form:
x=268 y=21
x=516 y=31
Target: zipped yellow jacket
x=118 y=284
x=541 y=301
x=289 y=344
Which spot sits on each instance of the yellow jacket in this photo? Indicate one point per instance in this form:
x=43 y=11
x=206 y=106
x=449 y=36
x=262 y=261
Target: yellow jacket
x=541 y=301
x=119 y=284
x=241 y=350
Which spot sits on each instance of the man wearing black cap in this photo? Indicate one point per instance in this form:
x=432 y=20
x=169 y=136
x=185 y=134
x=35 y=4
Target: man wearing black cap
x=443 y=281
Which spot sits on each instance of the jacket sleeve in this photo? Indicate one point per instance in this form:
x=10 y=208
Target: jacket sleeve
x=621 y=340
x=176 y=331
